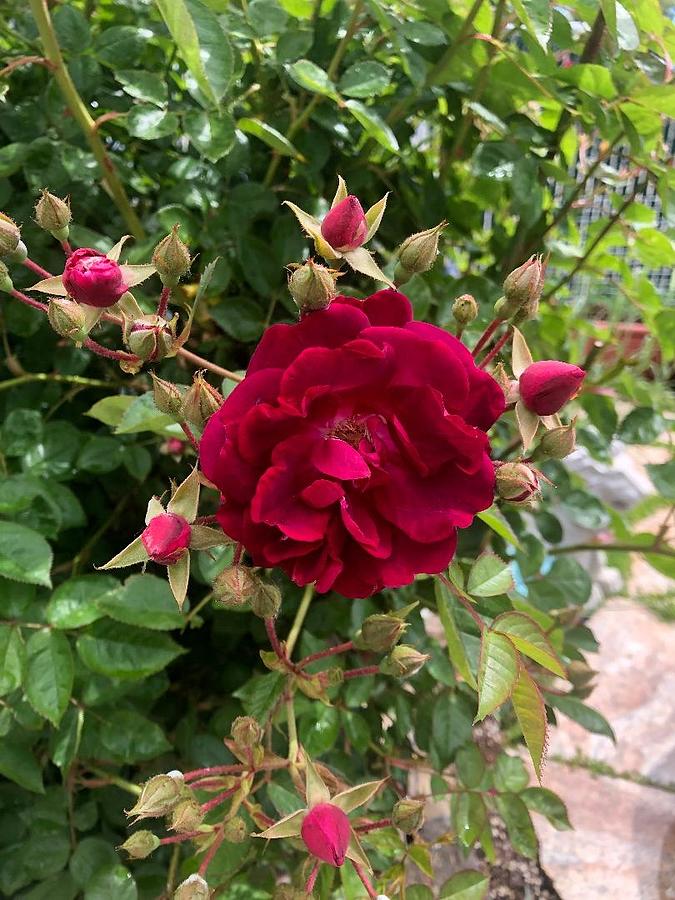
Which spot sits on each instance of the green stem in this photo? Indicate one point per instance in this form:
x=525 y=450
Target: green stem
x=127 y=786
x=611 y=548
x=293 y=745
x=299 y=619
x=61 y=379
x=193 y=612
x=80 y=113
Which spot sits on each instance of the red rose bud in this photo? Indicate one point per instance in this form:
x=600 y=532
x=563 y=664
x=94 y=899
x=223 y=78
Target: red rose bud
x=546 y=386
x=517 y=483
x=93 y=279
x=167 y=538
x=345 y=226
x=326 y=832
x=173 y=446
x=53 y=214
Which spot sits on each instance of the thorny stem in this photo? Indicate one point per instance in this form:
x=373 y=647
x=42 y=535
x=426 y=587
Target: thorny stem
x=364 y=880
x=311 y=881
x=271 y=629
x=67 y=249
x=486 y=335
x=35 y=304
x=504 y=339
x=80 y=113
x=234 y=769
x=202 y=363
x=189 y=434
x=329 y=651
x=219 y=798
x=213 y=849
x=299 y=619
x=163 y=304
x=179 y=838
x=100 y=350
x=372 y=826
x=358 y=673
x=465 y=603
x=34 y=267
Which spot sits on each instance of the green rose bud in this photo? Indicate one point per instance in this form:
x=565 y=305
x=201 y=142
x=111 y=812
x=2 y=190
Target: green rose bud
x=67 y=318
x=171 y=258
x=10 y=236
x=408 y=815
x=6 y=284
x=235 y=831
x=186 y=816
x=312 y=286
x=140 y=844
x=246 y=732
x=558 y=442
x=380 y=632
x=517 y=483
x=266 y=601
x=193 y=888
x=168 y=397
x=158 y=796
x=234 y=587
x=53 y=214
x=418 y=252
x=403 y=661
x=200 y=401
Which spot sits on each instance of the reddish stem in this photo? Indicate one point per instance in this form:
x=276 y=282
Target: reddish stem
x=373 y=826
x=486 y=335
x=34 y=267
x=311 y=881
x=204 y=784
x=67 y=249
x=100 y=350
x=236 y=769
x=178 y=838
x=219 y=798
x=163 y=304
x=504 y=339
x=213 y=849
x=322 y=654
x=465 y=603
x=206 y=520
x=238 y=553
x=190 y=436
x=270 y=627
x=364 y=880
x=364 y=670
x=35 y=304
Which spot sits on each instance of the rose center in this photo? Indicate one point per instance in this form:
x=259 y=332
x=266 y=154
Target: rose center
x=351 y=431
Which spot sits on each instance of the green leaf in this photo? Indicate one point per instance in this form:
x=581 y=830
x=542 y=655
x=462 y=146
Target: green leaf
x=468 y=884
x=469 y=816
x=510 y=774
x=547 y=803
x=75 y=602
x=24 y=555
x=531 y=713
x=130 y=738
x=566 y=583
x=641 y=426
x=111 y=410
x=120 y=46
x=421 y=856
x=586 y=716
x=489 y=576
x=374 y=126
x=143 y=415
x=663 y=478
x=319 y=731
x=497 y=672
x=143 y=85
x=494 y=519
x=120 y=651
x=66 y=741
x=212 y=135
x=266 y=17
x=470 y=766
x=260 y=694
x=143 y=600
x=21 y=430
x=365 y=79
x=536 y=17
x=450 y=726
x=453 y=638
x=312 y=78
x=150 y=123
x=91 y=855
x=100 y=454
x=19 y=765
x=49 y=673
x=115 y=881
x=530 y=640
x=424 y=33
x=518 y=824
x=268 y=135
x=12 y=658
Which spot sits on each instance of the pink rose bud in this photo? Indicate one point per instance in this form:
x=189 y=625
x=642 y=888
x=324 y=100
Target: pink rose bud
x=167 y=538
x=93 y=279
x=546 y=386
x=345 y=226
x=326 y=832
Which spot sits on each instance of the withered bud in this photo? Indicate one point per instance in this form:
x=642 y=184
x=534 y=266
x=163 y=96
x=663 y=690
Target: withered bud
x=234 y=587
x=67 y=318
x=186 y=816
x=140 y=844
x=158 y=796
x=150 y=337
x=235 y=831
x=246 y=732
x=200 y=401
x=408 y=815
x=167 y=396
x=403 y=661
x=193 y=888
x=380 y=632
x=559 y=442
x=418 y=252
x=10 y=236
x=465 y=309
x=6 y=284
x=266 y=601
x=517 y=483
x=312 y=286
x=171 y=258
x=53 y=215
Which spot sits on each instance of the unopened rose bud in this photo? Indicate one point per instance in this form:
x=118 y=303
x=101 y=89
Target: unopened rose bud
x=418 y=252
x=465 y=309
x=158 y=796
x=193 y=888
x=408 y=815
x=234 y=587
x=522 y=286
x=266 y=601
x=167 y=538
x=167 y=396
x=10 y=236
x=517 y=483
x=171 y=258
x=246 y=732
x=6 y=284
x=326 y=833
x=345 y=227
x=150 y=337
x=140 y=845
x=93 y=279
x=559 y=442
x=186 y=816
x=173 y=447
x=312 y=286
x=200 y=401
x=403 y=661
x=380 y=632
x=546 y=386
x=67 y=318
x=235 y=831
x=53 y=215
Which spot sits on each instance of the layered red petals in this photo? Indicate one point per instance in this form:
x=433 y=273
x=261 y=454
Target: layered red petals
x=93 y=279
x=355 y=447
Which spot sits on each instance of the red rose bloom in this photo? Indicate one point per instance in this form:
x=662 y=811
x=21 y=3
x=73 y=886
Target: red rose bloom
x=355 y=447
x=93 y=279
x=167 y=538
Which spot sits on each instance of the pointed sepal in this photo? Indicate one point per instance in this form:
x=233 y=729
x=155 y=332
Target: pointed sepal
x=287 y=827
x=52 y=285
x=315 y=787
x=185 y=500
x=116 y=250
x=204 y=538
x=521 y=357
x=340 y=193
x=134 y=275
x=374 y=217
x=357 y=796
x=179 y=576
x=356 y=853
x=528 y=423
x=362 y=261
x=134 y=553
x=154 y=509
